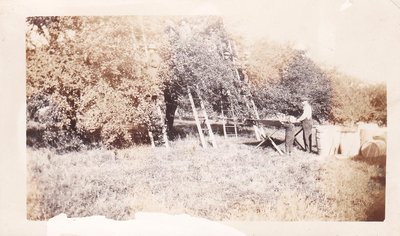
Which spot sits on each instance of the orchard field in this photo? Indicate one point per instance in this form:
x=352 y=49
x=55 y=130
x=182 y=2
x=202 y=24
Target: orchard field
x=103 y=97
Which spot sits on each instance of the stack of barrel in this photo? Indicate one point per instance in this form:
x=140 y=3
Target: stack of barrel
x=366 y=140
x=327 y=139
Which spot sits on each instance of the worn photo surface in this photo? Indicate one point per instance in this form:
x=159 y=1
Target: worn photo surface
x=203 y=115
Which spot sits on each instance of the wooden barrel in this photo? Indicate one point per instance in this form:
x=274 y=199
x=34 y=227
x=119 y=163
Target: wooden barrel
x=350 y=143
x=373 y=149
x=326 y=138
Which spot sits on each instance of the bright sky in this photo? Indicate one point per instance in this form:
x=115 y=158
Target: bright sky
x=360 y=37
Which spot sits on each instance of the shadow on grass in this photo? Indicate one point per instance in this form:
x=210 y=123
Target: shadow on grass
x=379 y=179
x=182 y=129
x=377 y=210
x=255 y=143
x=265 y=143
x=378 y=160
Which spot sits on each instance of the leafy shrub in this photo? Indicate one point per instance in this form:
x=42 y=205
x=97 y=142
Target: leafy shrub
x=378 y=99
x=91 y=76
x=291 y=75
x=354 y=100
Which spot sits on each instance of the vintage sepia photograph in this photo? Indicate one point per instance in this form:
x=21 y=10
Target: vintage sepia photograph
x=195 y=115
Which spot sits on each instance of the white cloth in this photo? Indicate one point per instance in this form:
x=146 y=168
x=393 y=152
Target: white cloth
x=307 y=112
x=145 y=223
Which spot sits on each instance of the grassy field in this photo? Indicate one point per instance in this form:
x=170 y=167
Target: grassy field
x=235 y=181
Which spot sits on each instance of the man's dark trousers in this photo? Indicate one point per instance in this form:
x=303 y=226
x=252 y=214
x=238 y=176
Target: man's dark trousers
x=307 y=129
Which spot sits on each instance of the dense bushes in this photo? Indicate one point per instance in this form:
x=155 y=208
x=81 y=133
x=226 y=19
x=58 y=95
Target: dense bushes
x=378 y=100
x=354 y=101
x=91 y=75
x=289 y=76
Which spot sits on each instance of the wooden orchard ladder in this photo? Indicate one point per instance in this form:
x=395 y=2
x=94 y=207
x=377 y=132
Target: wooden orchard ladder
x=207 y=121
x=226 y=118
x=153 y=145
x=234 y=60
x=164 y=128
x=198 y=124
x=159 y=111
x=225 y=126
x=258 y=131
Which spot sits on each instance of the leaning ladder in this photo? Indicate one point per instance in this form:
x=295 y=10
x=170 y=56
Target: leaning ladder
x=164 y=130
x=159 y=111
x=258 y=131
x=228 y=114
x=197 y=119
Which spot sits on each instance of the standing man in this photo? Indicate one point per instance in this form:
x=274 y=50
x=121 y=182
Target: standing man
x=306 y=122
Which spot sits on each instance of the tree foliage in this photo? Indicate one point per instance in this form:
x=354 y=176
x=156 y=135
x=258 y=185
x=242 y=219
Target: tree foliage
x=53 y=78
x=199 y=59
x=378 y=99
x=103 y=80
x=354 y=101
x=282 y=76
x=121 y=89
x=94 y=71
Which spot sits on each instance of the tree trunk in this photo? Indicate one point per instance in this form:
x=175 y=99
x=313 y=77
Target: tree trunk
x=171 y=104
x=169 y=118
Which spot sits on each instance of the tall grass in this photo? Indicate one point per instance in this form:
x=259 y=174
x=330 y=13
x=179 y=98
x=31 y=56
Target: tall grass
x=235 y=181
